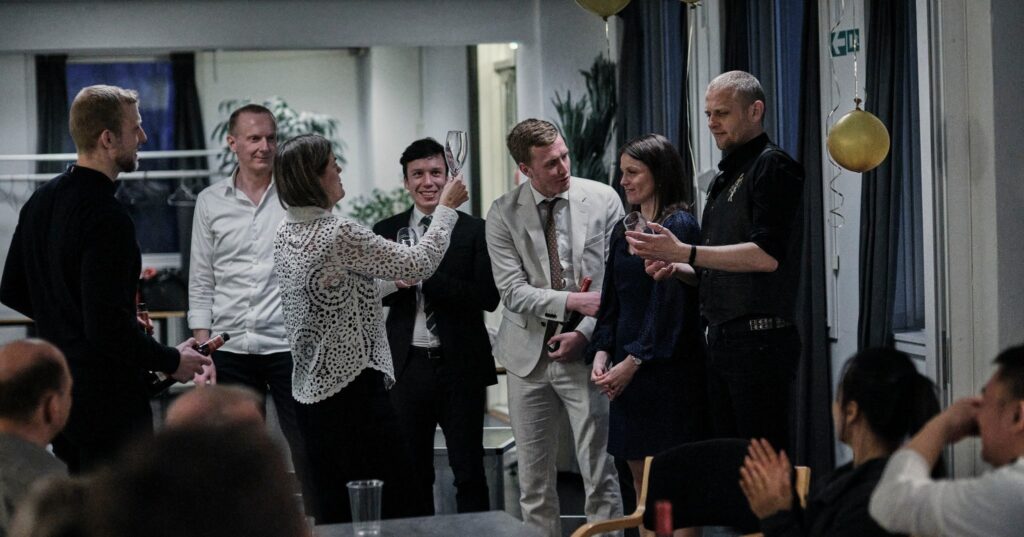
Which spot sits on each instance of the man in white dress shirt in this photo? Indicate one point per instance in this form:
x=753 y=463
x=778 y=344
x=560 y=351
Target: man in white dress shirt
x=232 y=285
x=907 y=500
x=544 y=237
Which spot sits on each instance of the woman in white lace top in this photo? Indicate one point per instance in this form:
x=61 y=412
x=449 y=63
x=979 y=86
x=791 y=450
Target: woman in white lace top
x=327 y=267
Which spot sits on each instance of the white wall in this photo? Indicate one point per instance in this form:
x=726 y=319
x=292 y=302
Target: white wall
x=322 y=81
x=17 y=111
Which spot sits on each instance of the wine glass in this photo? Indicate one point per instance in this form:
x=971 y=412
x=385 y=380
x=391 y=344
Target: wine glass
x=455 y=151
x=407 y=236
x=635 y=221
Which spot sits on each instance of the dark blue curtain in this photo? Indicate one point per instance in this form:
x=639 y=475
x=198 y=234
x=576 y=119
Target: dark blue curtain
x=751 y=45
x=188 y=134
x=155 y=220
x=891 y=257
x=778 y=43
x=814 y=440
x=652 y=75
x=52 y=111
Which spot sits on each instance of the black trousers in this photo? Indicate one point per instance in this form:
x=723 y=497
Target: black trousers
x=354 y=435
x=750 y=378
x=268 y=373
x=104 y=418
x=427 y=395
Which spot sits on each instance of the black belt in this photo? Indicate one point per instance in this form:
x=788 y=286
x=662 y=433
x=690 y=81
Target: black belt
x=752 y=324
x=431 y=353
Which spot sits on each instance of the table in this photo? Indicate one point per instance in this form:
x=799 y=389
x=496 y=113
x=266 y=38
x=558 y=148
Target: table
x=497 y=443
x=160 y=319
x=489 y=524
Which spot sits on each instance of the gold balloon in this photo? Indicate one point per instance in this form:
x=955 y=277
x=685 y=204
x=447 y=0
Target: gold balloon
x=858 y=141
x=603 y=8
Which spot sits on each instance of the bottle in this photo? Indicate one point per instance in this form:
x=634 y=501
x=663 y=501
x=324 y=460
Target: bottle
x=663 y=518
x=573 y=320
x=212 y=344
x=142 y=312
x=160 y=381
x=157 y=381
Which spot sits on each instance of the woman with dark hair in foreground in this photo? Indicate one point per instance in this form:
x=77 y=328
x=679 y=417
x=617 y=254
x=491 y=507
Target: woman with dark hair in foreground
x=882 y=400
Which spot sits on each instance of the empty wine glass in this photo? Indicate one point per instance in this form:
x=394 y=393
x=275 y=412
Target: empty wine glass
x=455 y=151
x=407 y=236
x=635 y=221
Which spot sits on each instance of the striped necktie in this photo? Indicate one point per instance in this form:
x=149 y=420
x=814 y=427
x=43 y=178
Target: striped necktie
x=428 y=311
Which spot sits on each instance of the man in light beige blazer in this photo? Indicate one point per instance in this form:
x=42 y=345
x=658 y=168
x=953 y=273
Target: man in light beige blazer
x=543 y=238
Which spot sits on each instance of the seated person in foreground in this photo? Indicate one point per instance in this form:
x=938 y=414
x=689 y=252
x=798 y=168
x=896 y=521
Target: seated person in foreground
x=199 y=482
x=881 y=401
x=35 y=402
x=217 y=406
x=992 y=505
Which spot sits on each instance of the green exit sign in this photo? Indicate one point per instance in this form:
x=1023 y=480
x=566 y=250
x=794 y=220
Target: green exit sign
x=844 y=42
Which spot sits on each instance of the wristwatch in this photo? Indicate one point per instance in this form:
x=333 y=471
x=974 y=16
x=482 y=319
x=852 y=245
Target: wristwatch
x=636 y=361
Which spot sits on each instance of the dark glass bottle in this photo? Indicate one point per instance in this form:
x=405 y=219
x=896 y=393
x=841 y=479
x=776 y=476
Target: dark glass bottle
x=663 y=518
x=573 y=320
x=160 y=381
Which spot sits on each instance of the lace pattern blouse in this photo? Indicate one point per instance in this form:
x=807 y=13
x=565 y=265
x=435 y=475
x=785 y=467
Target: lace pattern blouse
x=327 y=268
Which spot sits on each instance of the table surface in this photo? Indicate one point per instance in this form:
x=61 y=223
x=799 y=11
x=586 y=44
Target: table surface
x=489 y=524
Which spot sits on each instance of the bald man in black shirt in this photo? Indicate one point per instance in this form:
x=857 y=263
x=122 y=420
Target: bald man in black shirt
x=746 y=266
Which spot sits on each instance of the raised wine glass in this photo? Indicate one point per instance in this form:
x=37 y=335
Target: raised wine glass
x=635 y=221
x=455 y=150
x=407 y=236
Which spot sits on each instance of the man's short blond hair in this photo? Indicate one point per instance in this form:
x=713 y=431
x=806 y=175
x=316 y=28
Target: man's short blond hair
x=96 y=109
x=528 y=134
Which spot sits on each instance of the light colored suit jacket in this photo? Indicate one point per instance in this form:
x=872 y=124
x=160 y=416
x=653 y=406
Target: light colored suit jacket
x=519 y=261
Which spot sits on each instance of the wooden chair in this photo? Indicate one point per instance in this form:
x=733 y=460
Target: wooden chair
x=633 y=520
x=636 y=519
x=803 y=488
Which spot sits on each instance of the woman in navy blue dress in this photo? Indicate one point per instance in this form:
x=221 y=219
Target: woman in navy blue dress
x=649 y=347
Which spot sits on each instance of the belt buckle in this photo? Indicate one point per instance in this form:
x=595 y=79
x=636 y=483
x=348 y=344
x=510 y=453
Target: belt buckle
x=433 y=353
x=764 y=323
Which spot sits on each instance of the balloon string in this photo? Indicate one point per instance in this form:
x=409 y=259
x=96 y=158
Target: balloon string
x=836 y=218
x=686 y=83
x=607 y=39
x=856 y=85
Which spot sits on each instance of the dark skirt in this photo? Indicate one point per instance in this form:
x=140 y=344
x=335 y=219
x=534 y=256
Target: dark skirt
x=665 y=405
x=349 y=436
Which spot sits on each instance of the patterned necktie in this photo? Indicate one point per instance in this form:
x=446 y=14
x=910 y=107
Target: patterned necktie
x=428 y=311
x=551 y=238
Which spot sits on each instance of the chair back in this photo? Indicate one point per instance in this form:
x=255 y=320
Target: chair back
x=633 y=520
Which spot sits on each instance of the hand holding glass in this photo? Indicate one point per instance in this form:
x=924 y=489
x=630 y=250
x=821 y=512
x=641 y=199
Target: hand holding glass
x=455 y=150
x=635 y=221
x=407 y=236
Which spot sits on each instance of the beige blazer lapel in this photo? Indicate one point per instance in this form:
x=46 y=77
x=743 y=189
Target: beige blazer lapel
x=579 y=214
x=532 y=232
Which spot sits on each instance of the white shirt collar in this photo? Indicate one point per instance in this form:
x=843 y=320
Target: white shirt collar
x=306 y=213
x=538 y=197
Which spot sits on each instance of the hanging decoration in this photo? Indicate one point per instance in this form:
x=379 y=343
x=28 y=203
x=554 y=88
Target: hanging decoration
x=859 y=141
x=604 y=9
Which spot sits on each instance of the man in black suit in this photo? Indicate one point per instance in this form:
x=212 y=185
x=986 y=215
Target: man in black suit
x=440 y=347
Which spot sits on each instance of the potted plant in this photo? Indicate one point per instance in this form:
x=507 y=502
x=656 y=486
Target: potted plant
x=587 y=125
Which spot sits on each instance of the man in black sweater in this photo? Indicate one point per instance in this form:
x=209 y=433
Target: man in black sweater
x=73 y=268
